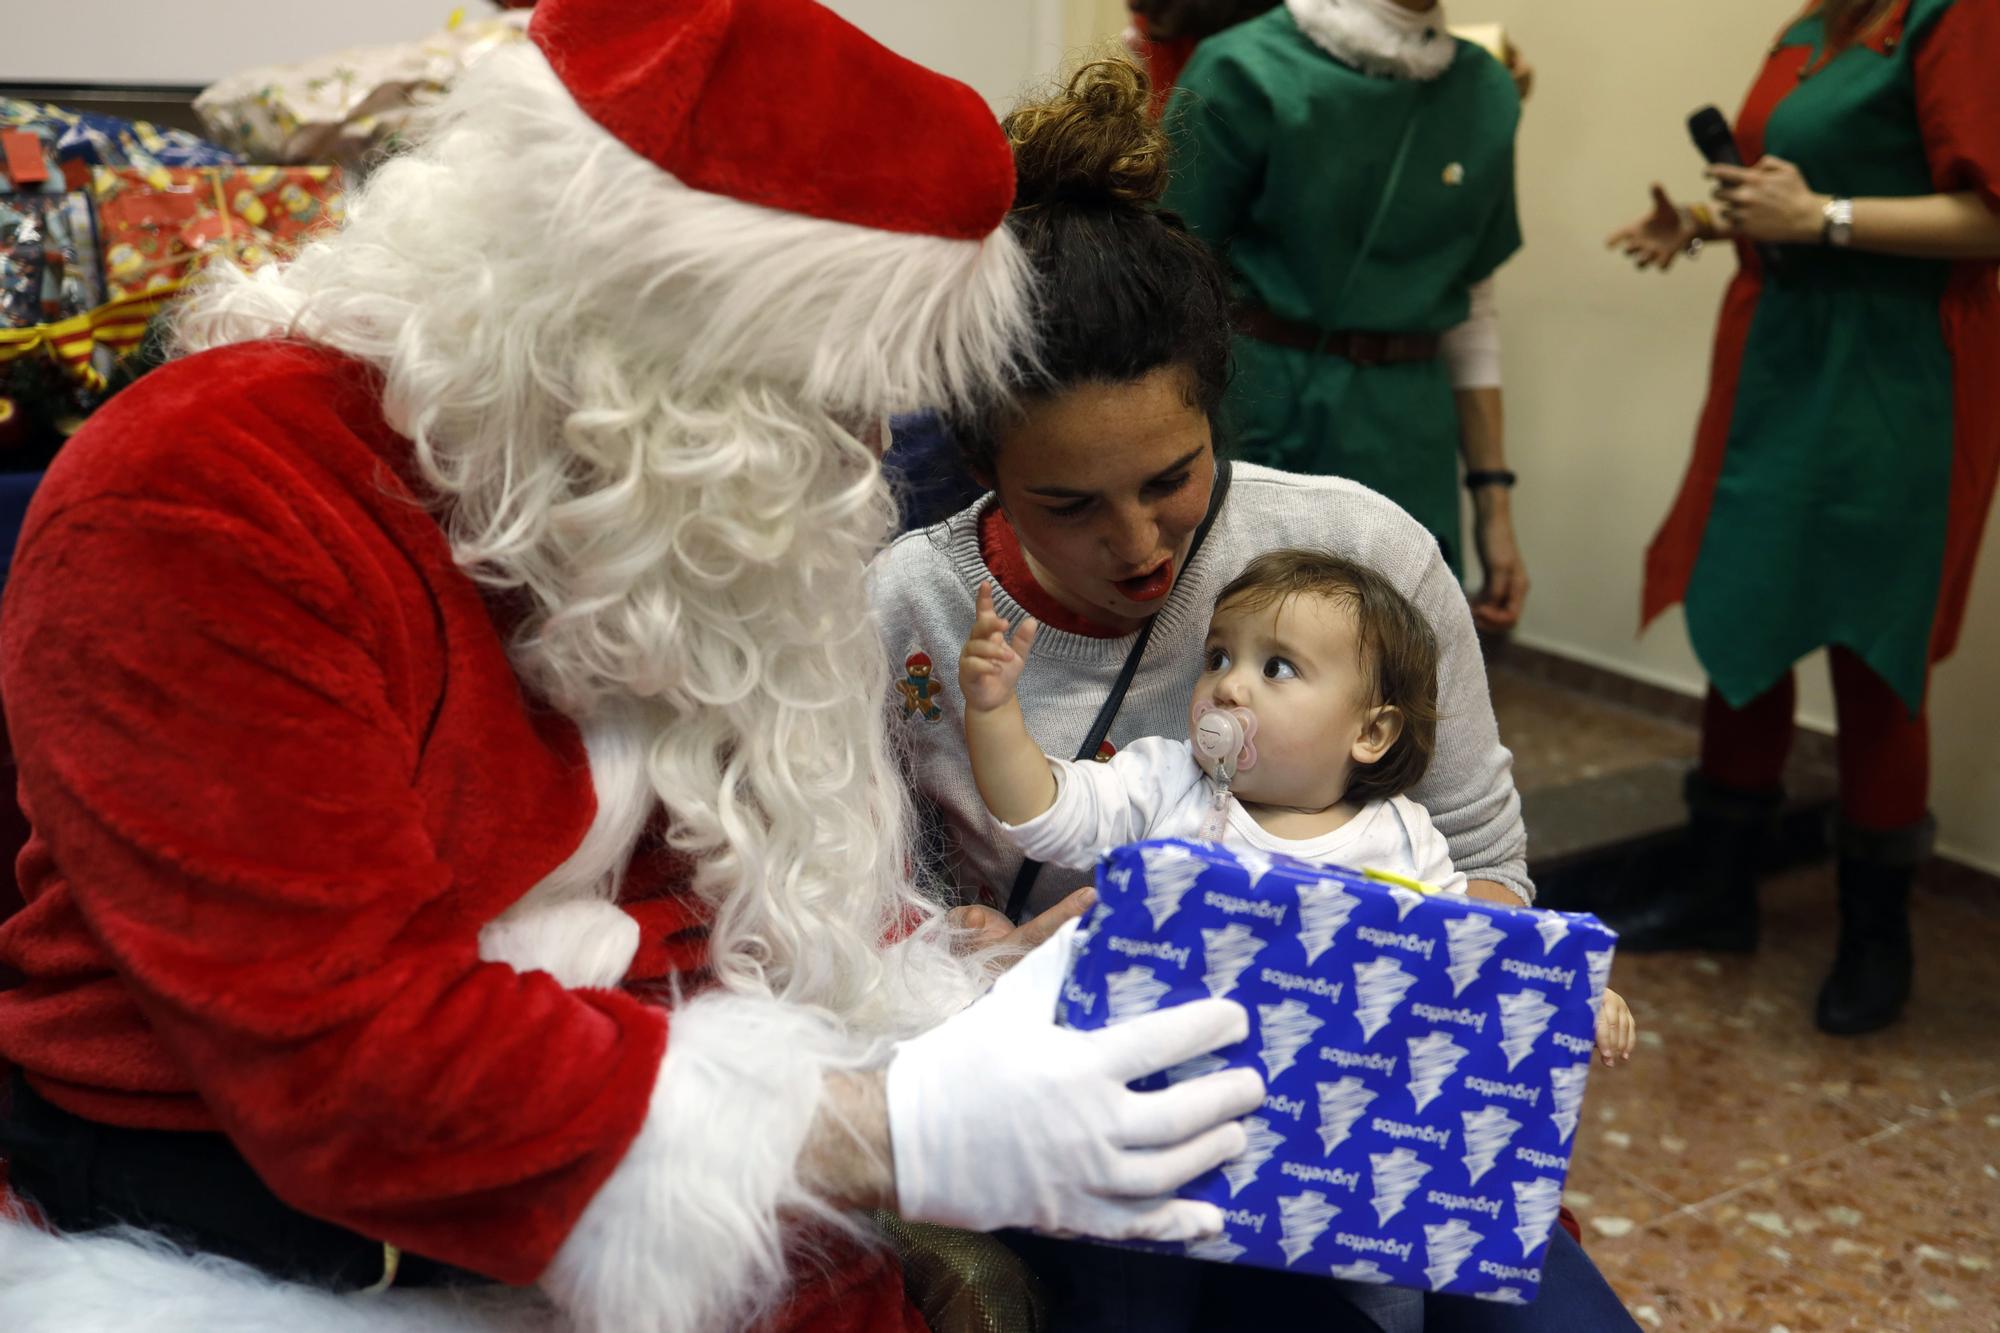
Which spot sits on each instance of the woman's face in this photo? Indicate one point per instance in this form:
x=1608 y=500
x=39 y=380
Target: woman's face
x=1105 y=485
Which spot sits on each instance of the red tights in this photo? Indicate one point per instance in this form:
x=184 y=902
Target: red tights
x=1885 y=753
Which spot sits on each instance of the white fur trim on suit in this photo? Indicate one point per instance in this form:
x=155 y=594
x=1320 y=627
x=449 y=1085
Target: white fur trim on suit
x=685 y=1236
x=580 y=943
x=1378 y=37
x=132 y=1282
x=569 y=925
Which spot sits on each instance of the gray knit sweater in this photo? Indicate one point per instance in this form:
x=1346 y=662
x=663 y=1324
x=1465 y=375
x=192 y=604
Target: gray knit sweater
x=924 y=589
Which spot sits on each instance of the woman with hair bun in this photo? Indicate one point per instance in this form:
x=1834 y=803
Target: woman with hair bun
x=1110 y=519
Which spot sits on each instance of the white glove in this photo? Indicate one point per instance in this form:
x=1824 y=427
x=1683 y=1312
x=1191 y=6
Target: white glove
x=999 y=1117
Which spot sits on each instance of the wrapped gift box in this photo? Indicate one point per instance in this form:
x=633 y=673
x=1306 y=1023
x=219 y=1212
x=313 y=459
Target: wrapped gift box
x=49 y=268
x=347 y=107
x=159 y=226
x=75 y=141
x=1424 y=1054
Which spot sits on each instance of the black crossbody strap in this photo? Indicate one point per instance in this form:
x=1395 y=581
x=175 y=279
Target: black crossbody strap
x=1024 y=879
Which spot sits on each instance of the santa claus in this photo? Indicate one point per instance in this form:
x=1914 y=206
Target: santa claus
x=468 y=879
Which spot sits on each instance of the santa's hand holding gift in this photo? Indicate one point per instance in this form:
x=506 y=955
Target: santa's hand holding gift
x=466 y=849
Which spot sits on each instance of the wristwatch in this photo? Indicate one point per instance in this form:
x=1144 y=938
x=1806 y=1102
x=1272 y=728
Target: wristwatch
x=1492 y=476
x=1838 y=229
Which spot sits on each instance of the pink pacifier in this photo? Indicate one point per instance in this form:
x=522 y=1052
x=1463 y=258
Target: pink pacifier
x=1223 y=743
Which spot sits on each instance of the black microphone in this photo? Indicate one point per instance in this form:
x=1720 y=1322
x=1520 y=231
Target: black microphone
x=1711 y=133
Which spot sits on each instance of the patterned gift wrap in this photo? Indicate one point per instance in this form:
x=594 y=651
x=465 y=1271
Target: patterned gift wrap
x=158 y=227
x=346 y=107
x=75 y=141
x=49 y=269
x=1425 y=1057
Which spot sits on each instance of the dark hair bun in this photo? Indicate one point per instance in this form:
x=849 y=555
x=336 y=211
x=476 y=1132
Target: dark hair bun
x=1091 y=142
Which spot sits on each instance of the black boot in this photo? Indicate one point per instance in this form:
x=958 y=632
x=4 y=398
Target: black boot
x=1870 y=980
x=1705 y=895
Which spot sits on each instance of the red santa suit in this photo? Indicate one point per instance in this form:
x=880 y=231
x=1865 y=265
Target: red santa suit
x=285 y=785
x=280 y=774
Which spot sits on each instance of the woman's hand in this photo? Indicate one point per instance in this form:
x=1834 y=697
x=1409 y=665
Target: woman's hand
x=1657 y=239
x=1500 y=602
x=988 y=929
x=989 y=665
x=1769 y=202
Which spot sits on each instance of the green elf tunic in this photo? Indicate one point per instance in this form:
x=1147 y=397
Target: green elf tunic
x=1845 y=460
x=1348 y=201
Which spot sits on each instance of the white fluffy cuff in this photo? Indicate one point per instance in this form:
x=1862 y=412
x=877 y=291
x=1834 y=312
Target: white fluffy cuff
x=686 y=1234
x=581 y=943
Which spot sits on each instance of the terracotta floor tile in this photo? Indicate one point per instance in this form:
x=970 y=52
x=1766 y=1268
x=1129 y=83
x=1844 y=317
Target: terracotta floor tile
x=1902 y=1227
x=1759 y=1009
x=1608 y=1200
x=1711 y=1099
x=1560 y=736
x=1747 y=1172
x=1948 y=1042
x=1936 y=1179
x=1686 y=1273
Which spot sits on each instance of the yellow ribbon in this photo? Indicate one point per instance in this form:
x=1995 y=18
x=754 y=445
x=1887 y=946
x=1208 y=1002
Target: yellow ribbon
x=1400 y=881
x=119 y=325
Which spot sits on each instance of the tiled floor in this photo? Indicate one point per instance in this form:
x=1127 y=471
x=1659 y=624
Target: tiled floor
x=1560 y=736
x=1746 y=1172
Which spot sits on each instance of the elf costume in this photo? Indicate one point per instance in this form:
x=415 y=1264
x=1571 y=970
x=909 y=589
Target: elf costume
x=1354 y=163
x=1846 y=457
x=1842 y=472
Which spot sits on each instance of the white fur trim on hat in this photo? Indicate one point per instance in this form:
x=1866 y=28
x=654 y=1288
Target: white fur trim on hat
x=515 y=205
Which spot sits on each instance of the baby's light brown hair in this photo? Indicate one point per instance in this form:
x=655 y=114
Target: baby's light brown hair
x=1399 y=652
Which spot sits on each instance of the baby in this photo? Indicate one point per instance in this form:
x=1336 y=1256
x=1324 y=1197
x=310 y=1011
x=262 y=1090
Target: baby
x=1315 y=712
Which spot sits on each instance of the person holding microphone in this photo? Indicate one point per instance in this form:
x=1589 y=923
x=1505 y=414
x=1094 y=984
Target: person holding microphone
x=1845 y=459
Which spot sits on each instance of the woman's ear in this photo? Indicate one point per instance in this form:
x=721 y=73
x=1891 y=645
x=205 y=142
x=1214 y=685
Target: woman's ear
x=1379 y=731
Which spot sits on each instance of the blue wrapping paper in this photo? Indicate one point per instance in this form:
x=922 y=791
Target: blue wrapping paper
x=92 y=139
x=1424 y=1057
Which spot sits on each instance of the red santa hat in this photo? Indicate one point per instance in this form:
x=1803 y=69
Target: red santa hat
x=784 y=104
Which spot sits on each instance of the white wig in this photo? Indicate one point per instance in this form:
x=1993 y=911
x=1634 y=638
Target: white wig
x=637 y=405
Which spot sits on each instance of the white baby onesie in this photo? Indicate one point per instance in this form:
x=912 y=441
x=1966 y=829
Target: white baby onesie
x=1153 y=788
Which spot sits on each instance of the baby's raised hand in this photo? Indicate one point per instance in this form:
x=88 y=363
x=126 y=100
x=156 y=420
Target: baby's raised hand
x=1616 y=1032
x=989 y=664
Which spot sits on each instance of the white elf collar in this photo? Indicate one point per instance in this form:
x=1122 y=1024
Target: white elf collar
x=1378 y=37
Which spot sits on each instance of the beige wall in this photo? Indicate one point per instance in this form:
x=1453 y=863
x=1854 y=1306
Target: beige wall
x=1606 y=366
x=1090 y=23
x=998 y=49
